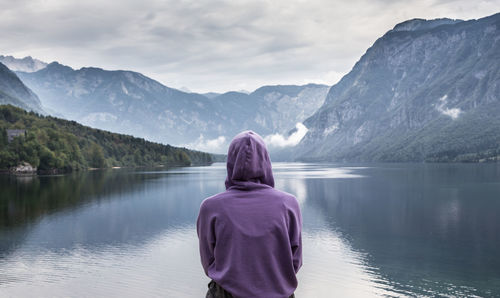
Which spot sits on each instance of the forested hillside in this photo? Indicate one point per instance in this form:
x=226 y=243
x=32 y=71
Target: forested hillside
x=53 y=144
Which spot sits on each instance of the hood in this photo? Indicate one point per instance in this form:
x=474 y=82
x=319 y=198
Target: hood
x=248 y=162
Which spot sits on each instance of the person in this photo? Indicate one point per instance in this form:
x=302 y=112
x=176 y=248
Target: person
x=250 y=235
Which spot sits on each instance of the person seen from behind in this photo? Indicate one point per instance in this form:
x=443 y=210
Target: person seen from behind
x=250 y=235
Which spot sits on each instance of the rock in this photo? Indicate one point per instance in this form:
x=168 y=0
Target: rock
x=23 y=168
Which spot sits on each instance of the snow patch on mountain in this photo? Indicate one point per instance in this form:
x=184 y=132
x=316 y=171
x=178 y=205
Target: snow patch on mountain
x=453 y=113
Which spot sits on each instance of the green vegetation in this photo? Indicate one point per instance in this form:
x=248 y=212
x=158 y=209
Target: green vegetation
x=54 y=144
x=23 y=202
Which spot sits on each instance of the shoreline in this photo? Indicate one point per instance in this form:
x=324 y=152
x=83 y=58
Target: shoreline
x=55 y=172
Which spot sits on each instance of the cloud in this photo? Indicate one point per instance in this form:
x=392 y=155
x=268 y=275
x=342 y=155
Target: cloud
x=453 y=113
x=215 y=45
x=278 y=140
x=217 y=145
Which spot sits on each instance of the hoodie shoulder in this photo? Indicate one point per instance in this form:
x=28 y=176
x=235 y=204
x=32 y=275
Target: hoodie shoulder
x=213 y=202
x=287 y=198
x=284 y=194
x=210 y=201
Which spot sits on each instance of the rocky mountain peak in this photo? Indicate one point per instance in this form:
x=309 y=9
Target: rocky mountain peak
x=56 y=66
x=26 y=64
x=422 y=24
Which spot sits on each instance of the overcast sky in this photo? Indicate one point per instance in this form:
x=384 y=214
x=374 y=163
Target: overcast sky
x=215 y=45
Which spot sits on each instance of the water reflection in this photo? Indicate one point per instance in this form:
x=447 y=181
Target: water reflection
x=426 y=229
x=368 y=230
x=309 y=171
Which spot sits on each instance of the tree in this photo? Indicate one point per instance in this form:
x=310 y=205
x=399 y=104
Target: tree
x=56 y=144
x=97 y=159
x=3 y=138
x=47 y=159
x=7 y=159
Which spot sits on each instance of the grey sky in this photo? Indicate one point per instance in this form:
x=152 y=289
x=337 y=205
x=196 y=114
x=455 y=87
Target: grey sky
x=215 y=45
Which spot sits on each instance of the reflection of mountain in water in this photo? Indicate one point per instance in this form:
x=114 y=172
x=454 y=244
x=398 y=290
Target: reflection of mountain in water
x=426 y=229
x=93 y=208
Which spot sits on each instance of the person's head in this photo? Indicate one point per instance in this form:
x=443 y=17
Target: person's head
x=248 y=161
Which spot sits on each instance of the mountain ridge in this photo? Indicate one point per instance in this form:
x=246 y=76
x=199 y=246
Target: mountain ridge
x=406 y=82
x=27 y=64
x=129 y=102
x=13 y=91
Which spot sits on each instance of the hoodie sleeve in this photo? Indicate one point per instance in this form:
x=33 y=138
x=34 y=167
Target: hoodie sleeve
x=295 y=234
x=205 y=227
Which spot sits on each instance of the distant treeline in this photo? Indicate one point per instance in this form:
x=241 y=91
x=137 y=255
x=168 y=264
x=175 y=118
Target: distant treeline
x=56 y=144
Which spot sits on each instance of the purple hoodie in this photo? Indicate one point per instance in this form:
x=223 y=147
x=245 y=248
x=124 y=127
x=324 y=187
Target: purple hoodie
x=250 y=234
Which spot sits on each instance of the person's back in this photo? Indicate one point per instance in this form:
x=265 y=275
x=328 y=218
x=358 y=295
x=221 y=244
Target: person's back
x=250 y=235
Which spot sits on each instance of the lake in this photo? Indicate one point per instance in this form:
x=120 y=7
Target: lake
x=369 y=230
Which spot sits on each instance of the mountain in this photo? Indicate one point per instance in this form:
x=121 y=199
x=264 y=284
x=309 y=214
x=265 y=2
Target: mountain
x=26 y=64
x=210 y=94
x=185 y=89
x=272 y=109
x=129 y=102
x=14 y=92
x=123 y=102
x=425 y=91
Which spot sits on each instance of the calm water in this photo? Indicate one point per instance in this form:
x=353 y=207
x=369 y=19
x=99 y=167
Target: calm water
x=369 y=230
